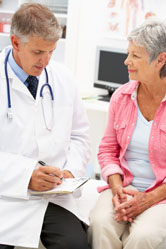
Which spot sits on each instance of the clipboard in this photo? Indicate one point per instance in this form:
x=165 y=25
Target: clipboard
x=68 y=186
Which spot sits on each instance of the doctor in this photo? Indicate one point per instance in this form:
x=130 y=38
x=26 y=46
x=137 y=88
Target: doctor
x=49 y=125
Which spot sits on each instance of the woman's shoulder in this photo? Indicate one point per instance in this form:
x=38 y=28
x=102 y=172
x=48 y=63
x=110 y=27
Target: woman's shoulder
x=126 y=89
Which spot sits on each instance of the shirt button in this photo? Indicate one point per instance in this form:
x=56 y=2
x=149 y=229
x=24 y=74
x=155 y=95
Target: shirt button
x=152 y=137
x=155 y=124
x=151 y=151
x=128 y=136
x=153 y=165
x=132 y=124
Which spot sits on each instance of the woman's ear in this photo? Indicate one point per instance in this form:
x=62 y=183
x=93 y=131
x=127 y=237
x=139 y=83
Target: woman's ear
x=161 y=60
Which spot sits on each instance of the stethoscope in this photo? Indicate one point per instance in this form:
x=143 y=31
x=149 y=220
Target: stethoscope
x=9 y=112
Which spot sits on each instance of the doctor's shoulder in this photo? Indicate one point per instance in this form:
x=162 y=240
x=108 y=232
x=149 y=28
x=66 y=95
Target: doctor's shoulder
x=62 y=73
x=3 y=54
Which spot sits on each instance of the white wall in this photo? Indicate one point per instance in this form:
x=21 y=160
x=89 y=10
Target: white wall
x=90 y=32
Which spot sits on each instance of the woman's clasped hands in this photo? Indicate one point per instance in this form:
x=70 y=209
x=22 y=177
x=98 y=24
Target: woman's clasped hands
x=129 y=203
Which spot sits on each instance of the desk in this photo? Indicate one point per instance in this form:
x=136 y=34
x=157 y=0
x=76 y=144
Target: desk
x=97 y=115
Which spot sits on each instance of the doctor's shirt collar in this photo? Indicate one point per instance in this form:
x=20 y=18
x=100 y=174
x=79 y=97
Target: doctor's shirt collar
x=16 y=68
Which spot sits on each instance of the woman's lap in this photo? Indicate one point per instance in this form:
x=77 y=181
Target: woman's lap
x=150 y=226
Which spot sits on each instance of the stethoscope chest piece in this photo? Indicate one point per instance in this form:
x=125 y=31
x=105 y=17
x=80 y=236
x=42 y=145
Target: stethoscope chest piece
x=9 y=114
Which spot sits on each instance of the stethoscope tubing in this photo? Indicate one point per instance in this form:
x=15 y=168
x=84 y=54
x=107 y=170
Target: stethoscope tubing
x=48 y=85
x=7 y=80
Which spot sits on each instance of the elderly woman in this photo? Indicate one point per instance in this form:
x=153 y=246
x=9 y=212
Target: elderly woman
x=132 y=153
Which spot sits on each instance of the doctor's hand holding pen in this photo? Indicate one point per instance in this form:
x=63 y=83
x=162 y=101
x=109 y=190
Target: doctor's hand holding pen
x=47 y=177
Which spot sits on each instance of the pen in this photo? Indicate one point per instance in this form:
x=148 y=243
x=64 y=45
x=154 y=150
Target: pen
x=44 y=164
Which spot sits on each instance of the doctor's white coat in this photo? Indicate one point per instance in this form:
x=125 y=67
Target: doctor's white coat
x=24 y=140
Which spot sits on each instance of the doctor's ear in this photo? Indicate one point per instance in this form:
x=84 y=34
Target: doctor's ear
x=15 y=41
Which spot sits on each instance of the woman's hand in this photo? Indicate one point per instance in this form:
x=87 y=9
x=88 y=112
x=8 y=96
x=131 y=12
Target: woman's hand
x=115 y=182
x=130 y=209
x=119 y=196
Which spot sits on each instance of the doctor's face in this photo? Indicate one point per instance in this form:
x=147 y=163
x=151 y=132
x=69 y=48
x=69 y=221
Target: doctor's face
x=34 y=55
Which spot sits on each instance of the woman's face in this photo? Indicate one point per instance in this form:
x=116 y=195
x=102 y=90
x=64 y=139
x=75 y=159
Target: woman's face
x=138 y=65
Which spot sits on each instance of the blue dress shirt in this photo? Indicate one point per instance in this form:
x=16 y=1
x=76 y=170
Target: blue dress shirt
x=17 y=69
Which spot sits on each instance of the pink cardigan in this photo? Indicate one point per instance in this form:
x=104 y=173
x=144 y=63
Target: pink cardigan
x=122 y=116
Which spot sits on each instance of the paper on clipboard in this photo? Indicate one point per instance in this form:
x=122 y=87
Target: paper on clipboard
x=68 y=186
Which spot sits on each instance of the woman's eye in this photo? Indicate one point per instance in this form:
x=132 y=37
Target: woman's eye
x=134 y=55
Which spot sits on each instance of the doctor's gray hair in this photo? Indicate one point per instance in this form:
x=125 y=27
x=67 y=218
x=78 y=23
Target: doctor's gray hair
x=151 y=35
x=35 y=20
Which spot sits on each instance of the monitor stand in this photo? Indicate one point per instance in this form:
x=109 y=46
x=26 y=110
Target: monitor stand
x=105 y=97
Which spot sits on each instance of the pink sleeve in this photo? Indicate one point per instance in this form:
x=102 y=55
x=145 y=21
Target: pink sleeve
x=109 y=148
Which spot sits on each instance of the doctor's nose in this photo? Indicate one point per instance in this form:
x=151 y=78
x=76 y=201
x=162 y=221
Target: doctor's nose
x=45 y=59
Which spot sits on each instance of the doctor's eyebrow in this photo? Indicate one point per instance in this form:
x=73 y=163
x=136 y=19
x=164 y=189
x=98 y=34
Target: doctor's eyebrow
x=42 y=51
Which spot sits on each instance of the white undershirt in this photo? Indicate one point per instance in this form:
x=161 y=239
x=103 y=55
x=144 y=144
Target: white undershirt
x=137 y=154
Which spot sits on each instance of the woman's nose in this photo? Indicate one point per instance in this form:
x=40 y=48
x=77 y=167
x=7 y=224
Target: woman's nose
x=127 y=61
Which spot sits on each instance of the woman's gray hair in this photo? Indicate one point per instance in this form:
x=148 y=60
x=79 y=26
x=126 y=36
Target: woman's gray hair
x=151 y=35
x=35 y=20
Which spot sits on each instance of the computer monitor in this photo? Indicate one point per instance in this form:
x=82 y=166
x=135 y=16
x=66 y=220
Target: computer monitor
x=110 y=71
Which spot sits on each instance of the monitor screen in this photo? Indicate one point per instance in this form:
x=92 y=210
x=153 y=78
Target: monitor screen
x=110 y=71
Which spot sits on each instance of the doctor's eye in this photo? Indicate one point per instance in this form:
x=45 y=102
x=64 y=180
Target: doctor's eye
x=50 y=52
x=38 y=52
